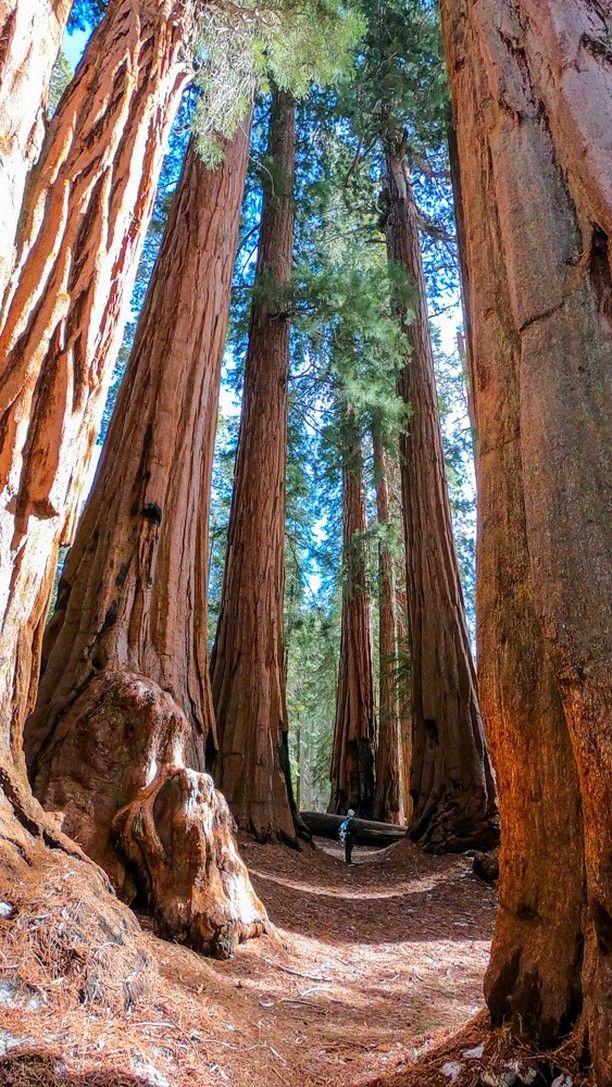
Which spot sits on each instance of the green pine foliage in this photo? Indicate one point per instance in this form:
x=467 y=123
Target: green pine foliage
x=243 y=46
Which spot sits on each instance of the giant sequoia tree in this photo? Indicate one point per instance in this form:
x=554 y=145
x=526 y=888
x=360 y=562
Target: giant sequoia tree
x=30 y=34
x=87 y=208
x=132 y=596
x=532 y=95
x=451 y=780
x=397 y=107
x=248 y=659
x=352 y=767
x=388 y=806
x=128 y=637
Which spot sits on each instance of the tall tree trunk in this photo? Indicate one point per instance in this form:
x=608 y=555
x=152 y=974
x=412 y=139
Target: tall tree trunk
x=388 y=807
x=532 y=91
x=30 y=35
x=464 y=342
x=132 y=597
x=125 y=696
x=451 y=780
x=404 y=685
x=87 y=209
x=405 y=712
x=248 y=659
x=352 y=767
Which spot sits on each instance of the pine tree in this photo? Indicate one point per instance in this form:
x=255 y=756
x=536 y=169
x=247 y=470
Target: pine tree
x=397 y=107
x=452 y=784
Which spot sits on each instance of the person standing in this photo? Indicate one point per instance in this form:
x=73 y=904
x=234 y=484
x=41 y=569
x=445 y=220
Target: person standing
x=347 y=835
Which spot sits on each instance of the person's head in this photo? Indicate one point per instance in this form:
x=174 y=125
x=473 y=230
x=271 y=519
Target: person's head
x=350 y=812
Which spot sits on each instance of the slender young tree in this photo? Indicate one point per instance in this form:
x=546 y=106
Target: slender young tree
x=248 y=657
x=388 y=806
x=532 y=88
x=88 y=206
x=30 y=33
x=352 y=767
x=452 y=784
x=132 y=599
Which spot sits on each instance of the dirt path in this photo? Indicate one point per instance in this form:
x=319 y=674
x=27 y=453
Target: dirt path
x=372 y=964
x=369 y=967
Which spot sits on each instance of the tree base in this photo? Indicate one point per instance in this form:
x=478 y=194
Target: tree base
x=452 y=823
x=114 y=771
x=486 y=866
x=60 y=922
x=178 y=835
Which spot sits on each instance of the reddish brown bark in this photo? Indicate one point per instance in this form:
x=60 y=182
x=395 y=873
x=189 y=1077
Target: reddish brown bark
x=532 y=88
x=178 y=835
x=451 y=780
x=248 y=665
x=61 y=919
x=30 y=35
x=61 y=923
x=464 y=340
x=403 y=646
x=405 y=705
x=88 y=205
x=388 y=807
x=132 y=600
x=352 y=767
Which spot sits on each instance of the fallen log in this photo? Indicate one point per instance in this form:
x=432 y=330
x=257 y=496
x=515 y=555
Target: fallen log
x=367 y=832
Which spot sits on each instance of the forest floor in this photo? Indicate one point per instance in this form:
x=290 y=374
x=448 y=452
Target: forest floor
x=369 y=968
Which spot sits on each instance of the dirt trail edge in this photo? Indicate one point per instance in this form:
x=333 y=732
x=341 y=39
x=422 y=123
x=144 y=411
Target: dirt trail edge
x=369 y=967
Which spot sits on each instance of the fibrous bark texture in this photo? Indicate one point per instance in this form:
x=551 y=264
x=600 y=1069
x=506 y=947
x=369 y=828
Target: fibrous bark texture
x=388 y=807
x=403 y=652
x=125 y=696
x=85 y=216
x=161 y=831
x=532 y=91
x=30 y=34
x=133 y=591
x=61 y=923
x=352 y=767
x=114 y=740
x=247 y=666
x=179 y=837
x=451 y=779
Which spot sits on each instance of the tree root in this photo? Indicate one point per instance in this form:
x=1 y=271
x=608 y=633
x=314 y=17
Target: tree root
x=454 y=821
x=61 y=923
x=179 y=836
x=115 y=769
